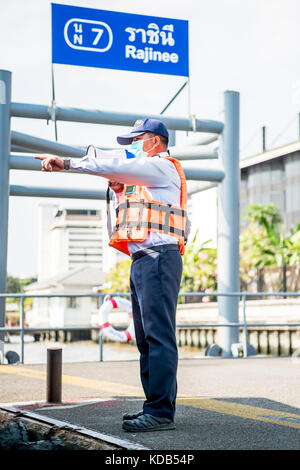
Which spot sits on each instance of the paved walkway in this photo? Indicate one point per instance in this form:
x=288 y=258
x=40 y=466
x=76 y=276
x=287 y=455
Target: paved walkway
x=251 y=403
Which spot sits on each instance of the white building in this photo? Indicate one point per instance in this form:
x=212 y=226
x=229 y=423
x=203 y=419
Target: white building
x=65 y=311
x=71 y=252
x=68 y=239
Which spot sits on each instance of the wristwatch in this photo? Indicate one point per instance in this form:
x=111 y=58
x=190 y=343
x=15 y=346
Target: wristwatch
x=67 y=162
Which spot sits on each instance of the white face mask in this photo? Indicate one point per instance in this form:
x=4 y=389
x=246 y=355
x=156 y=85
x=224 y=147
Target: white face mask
x=137 y=148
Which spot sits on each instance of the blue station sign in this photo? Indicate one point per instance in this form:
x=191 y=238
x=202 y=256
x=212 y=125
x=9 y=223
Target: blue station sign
x=121 y=41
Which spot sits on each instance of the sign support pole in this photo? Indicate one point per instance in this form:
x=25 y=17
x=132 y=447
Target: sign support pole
x=175 y=96
x=53 y=104
x=228 y=224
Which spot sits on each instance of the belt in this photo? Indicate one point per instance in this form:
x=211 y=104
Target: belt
x=149 y=251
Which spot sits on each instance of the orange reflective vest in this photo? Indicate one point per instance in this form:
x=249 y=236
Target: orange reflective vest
x=137 y=215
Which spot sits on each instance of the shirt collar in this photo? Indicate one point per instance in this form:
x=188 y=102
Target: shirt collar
x=163 y=154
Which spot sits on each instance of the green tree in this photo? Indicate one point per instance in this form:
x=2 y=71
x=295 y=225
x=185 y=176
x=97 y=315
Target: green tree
x=13 y=285
x=267 y=244
x=294 y=245
x=199 y=272
x=251 y=240
x=273 y=246
x=267 y=216
x=117 y=279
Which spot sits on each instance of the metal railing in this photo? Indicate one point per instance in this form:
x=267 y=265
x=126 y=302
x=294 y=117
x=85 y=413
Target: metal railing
x=242 y=295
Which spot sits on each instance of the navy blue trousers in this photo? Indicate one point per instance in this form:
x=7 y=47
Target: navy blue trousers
x=154 y=282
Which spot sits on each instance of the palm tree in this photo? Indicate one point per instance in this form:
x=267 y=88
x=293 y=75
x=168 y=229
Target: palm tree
x=199 y=267
x=274 y=247
x=294 y=245
x=267 y=216
x=264 y=242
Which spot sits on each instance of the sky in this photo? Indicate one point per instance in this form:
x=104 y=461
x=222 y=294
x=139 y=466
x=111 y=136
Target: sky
x=250 y=46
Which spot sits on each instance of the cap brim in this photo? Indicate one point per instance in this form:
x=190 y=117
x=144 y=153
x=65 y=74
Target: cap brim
x=127 y=138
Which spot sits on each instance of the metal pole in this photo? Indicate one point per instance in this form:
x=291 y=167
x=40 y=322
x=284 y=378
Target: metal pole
x=203 y=174
x=101 y=345
x=228 y=223
x=22 y=318
x=245 y=335
x=174 y=97
x=5 y=98
x=172 y=139
x=36 y=143
x=199 y=139
x=44 y=191
x=95 y=116
x=196 y=174
x=54 y=375
x=198 y=188
x=15 y=148
x=25 y=162
x=194 y=153
x=100 y=333
x=264 y=138
x=53 y=104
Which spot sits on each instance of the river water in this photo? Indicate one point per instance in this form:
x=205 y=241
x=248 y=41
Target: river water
x=83 y=351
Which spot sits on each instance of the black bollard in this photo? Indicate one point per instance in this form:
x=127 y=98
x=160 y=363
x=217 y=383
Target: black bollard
x=54 y=374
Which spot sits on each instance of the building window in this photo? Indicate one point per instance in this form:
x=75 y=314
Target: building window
x=72 y=302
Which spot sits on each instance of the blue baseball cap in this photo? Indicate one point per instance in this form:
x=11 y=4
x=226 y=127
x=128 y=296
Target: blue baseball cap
x=140 y=127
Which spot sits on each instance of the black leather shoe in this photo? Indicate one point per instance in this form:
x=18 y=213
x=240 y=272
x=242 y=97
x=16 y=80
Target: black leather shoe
x=132 y=415
x=147 y=422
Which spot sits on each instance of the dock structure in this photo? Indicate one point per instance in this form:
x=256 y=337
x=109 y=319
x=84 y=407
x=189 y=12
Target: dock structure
x=222 y=404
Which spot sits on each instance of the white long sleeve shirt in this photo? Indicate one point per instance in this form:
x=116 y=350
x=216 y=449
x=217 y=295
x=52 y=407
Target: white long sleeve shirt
x=157 y=174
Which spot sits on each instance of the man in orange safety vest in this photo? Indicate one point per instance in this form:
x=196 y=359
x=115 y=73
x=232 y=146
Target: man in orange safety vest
x=152 y=228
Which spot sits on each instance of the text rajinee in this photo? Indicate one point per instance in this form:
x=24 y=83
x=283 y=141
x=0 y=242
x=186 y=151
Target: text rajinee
x=148 y=54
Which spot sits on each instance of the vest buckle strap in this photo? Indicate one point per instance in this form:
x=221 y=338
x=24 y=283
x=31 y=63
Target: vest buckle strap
x=151 y=225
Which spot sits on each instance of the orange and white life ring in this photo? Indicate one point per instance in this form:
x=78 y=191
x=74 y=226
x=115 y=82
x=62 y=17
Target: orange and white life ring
x=106 y=328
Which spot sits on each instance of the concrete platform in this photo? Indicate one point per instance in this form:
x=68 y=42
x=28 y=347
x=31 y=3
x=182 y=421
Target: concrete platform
x=232 y=404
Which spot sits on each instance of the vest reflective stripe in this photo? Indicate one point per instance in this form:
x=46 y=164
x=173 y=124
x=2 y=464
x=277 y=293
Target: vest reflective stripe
x=137 y=215
x=151 y=205
x=155 y=227
x=174 y=217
